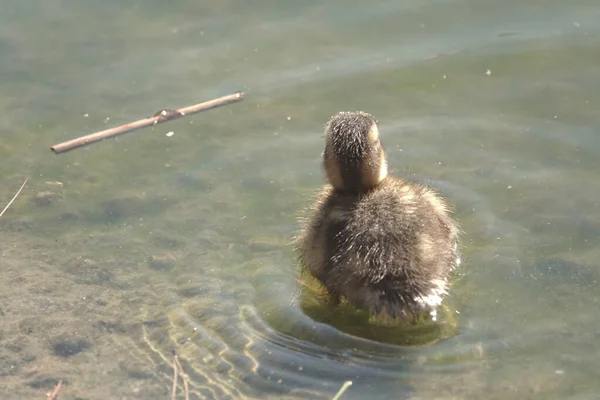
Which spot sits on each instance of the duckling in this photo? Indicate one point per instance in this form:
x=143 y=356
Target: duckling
x=385 y=245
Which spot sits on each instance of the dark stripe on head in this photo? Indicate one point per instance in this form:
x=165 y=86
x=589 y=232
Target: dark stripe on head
x=353 y=154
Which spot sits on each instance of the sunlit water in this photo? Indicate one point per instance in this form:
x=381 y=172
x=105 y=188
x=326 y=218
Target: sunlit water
x=153 y=244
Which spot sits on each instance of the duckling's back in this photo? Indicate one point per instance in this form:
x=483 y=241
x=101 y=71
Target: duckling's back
x=389 y=251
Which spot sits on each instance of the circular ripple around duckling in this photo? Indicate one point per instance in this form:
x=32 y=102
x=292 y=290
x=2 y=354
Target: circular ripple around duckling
x=230 y=314
x=202 y=321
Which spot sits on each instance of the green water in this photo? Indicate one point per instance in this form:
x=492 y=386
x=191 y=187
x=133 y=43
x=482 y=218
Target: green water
x=153 y=244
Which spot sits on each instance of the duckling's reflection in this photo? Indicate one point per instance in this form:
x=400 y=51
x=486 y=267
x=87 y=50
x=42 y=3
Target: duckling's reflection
x=421 y=330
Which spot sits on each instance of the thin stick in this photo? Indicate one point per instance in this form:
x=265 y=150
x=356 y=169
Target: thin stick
x=345 y=386
x=175 y=376
x=56 y=391
x=14 y=197
x=186 y=387
x=159 y=117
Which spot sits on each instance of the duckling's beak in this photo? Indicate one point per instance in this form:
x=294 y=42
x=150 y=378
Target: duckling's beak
x=383 y=168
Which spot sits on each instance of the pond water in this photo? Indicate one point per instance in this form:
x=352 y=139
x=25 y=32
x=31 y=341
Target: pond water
x=118 y=255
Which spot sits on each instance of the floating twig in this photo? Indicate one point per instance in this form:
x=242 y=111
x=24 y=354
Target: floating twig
x=159 y=117
x=55 y=392
x=14 y=197
x=178 y=370
x=186 y=387
x=340 y=392
x=175 y=376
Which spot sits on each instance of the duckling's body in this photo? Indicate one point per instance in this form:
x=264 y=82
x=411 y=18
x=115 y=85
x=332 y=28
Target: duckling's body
x=385 y=245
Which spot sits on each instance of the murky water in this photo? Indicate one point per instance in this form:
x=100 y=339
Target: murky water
x=117 y=255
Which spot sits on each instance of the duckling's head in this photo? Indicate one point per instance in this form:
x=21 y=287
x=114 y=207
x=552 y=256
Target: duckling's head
x=354 y=160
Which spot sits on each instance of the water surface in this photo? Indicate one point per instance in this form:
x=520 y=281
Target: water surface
x=153 y=244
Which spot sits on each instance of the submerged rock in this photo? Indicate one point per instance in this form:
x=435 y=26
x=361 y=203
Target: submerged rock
x=43 y=199
x=87 y=271
x=67 y=346
x=162 y=262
